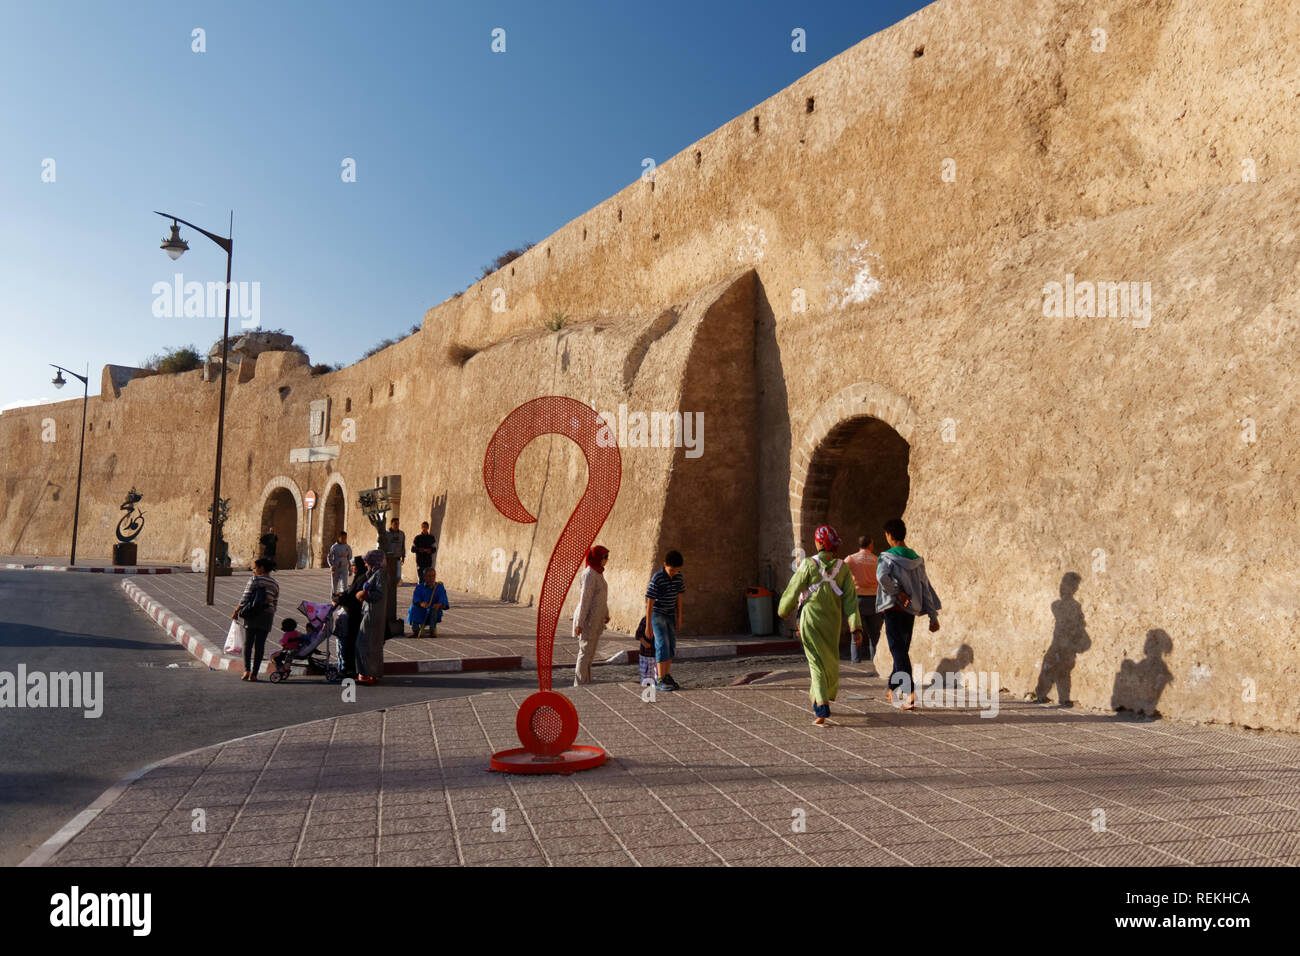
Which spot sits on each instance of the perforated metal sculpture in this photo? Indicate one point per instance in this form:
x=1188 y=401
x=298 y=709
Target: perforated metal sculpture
x=547 y=722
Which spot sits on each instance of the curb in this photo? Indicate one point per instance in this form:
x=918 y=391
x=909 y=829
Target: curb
x=215 y=658
x=66 y=567
x=185 y=634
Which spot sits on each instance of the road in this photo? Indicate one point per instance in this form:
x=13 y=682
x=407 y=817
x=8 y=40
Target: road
x=157 y=700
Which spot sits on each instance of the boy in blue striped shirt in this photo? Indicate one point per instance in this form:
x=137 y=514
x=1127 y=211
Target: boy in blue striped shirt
x=663 y=609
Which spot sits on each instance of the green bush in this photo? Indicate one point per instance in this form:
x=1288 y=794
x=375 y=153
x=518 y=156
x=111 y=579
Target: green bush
x=184 y=359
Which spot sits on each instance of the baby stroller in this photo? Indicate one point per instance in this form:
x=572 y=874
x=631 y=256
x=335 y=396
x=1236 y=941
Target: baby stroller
x=318 y=655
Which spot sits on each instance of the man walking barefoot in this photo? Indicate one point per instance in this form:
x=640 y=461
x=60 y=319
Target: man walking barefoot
x=905 y=593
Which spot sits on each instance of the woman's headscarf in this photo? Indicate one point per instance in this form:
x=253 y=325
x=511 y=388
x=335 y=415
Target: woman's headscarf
x=596 y=556
x=826 y=539
x=375 y=559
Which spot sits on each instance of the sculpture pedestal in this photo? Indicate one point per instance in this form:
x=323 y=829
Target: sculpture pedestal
x=124 y=554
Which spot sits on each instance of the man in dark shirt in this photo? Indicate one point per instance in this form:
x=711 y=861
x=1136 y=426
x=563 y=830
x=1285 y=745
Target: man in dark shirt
x=268 y=542
x=663 y=609
x=425 y=547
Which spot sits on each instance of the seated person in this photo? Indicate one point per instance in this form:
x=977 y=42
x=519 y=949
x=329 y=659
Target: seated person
x=290 y=640
x=427 y=604
x=646 y=653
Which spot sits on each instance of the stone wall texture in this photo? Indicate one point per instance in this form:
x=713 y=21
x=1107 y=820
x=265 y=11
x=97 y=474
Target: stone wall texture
x=1105 y=499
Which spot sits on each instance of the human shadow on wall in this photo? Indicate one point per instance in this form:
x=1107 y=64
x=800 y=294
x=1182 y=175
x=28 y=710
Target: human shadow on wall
x=963 y=658
x=1069 y=639
x=1139 y=684
x=775 y=534
x=514 y=579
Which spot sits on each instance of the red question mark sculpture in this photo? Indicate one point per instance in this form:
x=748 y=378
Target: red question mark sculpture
x=547 y=722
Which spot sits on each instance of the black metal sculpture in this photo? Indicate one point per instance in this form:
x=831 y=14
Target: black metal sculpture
x=131 y=523
x=222 y=557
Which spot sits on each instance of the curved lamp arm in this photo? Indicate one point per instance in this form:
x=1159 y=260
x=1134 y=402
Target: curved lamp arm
x=84 y=379
x=219 y=240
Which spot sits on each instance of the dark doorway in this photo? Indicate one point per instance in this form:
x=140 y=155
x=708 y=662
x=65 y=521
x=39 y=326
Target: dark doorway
x=331 y=522
x=280 y=514
x=857 y=481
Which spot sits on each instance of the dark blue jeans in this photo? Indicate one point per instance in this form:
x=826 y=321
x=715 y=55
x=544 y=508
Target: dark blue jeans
x=871 y=623
x=898 y=632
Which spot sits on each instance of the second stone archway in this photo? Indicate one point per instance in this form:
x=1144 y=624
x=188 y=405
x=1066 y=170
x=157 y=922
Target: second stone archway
x=851 y=468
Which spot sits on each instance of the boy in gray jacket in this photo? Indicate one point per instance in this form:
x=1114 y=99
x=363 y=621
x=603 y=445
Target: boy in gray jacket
x=904 y=593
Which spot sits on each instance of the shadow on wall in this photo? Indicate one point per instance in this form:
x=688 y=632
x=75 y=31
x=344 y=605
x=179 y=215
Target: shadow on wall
x=1139 y=684
x=774 y=446
x=963 y=658
x=437 y=514
x=1069 y=639
x=514 y=579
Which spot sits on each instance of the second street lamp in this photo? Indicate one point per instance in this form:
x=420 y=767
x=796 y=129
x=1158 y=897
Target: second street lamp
x=175 y=247
x=58 y=382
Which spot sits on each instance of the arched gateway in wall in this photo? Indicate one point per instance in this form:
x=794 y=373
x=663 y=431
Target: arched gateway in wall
x=282 y=511
x=333 y=518
x=850 y=468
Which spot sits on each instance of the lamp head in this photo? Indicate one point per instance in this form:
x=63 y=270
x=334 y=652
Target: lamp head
x=174 y=245
x=59 y=380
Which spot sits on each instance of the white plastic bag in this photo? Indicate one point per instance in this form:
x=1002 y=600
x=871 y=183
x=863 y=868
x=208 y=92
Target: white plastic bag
x=235 y=638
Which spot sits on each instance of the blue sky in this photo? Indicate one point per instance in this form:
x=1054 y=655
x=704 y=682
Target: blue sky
x=461 y=153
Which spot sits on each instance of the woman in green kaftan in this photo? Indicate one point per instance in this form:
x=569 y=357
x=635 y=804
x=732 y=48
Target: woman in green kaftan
x=832 y=596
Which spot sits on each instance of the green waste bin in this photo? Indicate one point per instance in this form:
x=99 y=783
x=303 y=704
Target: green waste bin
x=760 y=610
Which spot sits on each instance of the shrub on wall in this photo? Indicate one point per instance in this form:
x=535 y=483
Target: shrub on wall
x=507 y=257
x=184 y=359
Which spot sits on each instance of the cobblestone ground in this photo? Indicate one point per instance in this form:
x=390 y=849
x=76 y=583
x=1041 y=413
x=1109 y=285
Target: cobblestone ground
x=719 y=776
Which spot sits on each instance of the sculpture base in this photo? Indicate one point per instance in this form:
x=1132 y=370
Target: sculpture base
x=124 y=554
x=220 y=572
x=577 y=757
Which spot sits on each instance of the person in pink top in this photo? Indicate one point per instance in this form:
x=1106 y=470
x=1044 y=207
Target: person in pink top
x=862 y=564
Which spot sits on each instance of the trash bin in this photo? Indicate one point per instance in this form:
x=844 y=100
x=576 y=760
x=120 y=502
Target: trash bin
x=760 y=610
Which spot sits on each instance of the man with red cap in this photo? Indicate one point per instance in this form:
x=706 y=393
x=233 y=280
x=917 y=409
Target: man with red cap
x=830 y=599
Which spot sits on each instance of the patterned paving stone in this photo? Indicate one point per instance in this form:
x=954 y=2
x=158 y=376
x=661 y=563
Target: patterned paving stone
x=718 y=777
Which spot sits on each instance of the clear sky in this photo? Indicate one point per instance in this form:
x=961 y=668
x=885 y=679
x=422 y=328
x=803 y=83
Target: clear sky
x=461 y=153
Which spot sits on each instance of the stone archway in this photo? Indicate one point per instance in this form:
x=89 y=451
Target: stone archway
x=333 y=516
x=282 y=511
x=850 y=469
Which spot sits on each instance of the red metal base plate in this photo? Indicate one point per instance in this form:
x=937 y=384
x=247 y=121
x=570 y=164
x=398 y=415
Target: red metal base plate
x=577 y=757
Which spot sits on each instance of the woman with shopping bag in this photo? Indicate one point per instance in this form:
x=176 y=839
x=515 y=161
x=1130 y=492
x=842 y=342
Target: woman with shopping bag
x=256 y=611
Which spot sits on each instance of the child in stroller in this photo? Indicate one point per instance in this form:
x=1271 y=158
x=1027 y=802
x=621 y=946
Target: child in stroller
x=313 y=650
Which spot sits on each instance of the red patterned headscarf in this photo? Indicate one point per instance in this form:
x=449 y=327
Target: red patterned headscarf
x=596 y=556
x=826 y=538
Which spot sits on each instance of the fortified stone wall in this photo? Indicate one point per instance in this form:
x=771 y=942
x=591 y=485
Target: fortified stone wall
x=1105 y=500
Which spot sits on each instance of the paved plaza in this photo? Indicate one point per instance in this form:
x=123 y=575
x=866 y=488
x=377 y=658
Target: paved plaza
x=734 y=776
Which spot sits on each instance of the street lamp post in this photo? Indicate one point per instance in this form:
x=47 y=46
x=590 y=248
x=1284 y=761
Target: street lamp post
x=58 y=382
x=175 y=247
